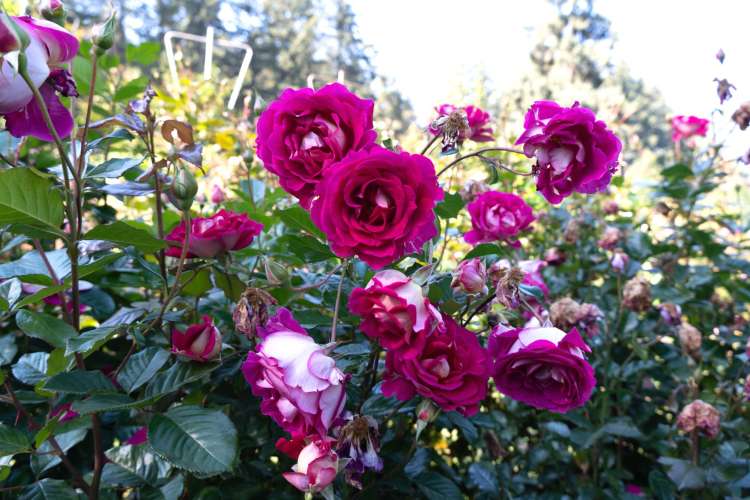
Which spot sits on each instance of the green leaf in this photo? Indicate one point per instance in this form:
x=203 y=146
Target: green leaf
x=10 y=292
x=140 y=461
x=622 y=427
x=532 y=291
x=176 y=376
x=198 y=282
x=661 y=487
x=27 y=198
x=46 y=459
x=124 y=234
x=306 y=247
x=105 y=402
x=31 y=368
x=482 y=475
x=131 y=89
x=141 y=367
x=684 y=473
x=435 y=486
x=45 y=327
x=146 y=53
x=13 y=441
x=450 y=206
x=559 y=428
x=299 y=218
x=677 y=172
x=468 y=429
x=418 y=463
x=196 y=439
x=485 y=249
x=113 y=168
x=91 y=340
x=8 y=349
x=231 y=285
x=80 y=382
x=49 y=489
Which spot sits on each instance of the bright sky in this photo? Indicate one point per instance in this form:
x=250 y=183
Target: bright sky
x=424 y=46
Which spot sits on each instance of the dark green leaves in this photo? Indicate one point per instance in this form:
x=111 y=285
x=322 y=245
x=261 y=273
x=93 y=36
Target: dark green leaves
x=298 y=218
x=141 y=367
x=124 y=234
x=13 y=441
x=80 y=382
x=42 y=326
x=49 y=489
x=450 y=206
x=435 y=486
x=30 y=199
x=200 y=440
x=113 y=168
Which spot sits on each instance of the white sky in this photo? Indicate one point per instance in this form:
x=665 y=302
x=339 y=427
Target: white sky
x=424 y=46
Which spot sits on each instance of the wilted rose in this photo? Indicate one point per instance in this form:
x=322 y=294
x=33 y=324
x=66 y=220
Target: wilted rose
x=636 y=295
x=700 y=416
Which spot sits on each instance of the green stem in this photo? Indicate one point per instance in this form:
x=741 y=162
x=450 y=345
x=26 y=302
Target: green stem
x=344 y=267
x=487 y=150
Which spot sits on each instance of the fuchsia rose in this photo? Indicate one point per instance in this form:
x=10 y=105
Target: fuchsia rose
x=574 y=150
x=50 y=47
x=139 y=437
x=65 y=412
x=200 y=342
x=497 y=216
x=304 y=131
x=378 y=205
x=685 y=127
x=543 y=367
x=470 y=276
x=300 y=386
x=211 y=236
x=217 y=195
x=316 y=467
x=452 y=370
x=394 y=312
x=478 y=119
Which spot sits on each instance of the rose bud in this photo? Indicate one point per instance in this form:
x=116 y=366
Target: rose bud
x=619 y=261
x=65 y=412
x=554 y=256
x=700 y=416
x=543 y=367
x=690 y=340
x=358 y=441
x=217 y=195
x=670 y=313
x=685 y=127
x=610 y=238
x=574 y=151
x=470 y=276
x=611 y=207
x=200 y=342
x=316 y=467
x=223 y=232
x=636 y=295
x=720 y=56
x=742 y=116
x=300 y=386
x=183 y=189
x=497 y=216
x=53 y=10
x=252 y=311
x=395 y=312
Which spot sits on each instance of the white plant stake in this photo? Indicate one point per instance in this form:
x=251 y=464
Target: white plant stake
x=311 y=78
x=209 y=42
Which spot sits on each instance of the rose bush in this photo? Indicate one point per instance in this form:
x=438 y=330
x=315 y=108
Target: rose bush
x=397 y=327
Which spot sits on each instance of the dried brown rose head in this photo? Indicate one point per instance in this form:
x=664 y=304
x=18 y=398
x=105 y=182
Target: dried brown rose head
x=572 y=231
x=742 y=116
x=508 y=280
x=636 y=295
x=700 y=416
x=565 y=313
x=690 y=340
x=472 y=189
x=252 y=311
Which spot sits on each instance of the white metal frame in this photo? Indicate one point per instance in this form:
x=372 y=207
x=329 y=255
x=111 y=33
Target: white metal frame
x=209 y=42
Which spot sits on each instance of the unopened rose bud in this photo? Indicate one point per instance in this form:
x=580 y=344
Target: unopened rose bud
x=554 y=256
x=217 y=195
x=690 y=340
x=610 y=238
x=611 y=207
x=426 y=412
x=670 y=313
x=54 y=11
x=200 y=342
x=619 y=261
x=700 y=416
x=105 y=36
x=636 y=295
x=183 y=189
x=276 y=274
x=252 y=311
x=470 y=276
x=720 y=56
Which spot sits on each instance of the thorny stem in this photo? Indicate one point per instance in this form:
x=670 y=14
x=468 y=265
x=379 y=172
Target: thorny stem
x=89 y=107
x=372 y=373
x=149 y=139
x=429 y=144
x=479 y=308
x=55 y=279
x=480 y=153
x=532 y=311
x=344 y=267
x=317 y=284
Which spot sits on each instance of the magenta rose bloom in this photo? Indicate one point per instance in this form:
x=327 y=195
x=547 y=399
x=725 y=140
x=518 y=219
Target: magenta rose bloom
x=452 y=370
x=200 y=342
x=543 y=367
x=316 y=467
x=470 y=276
x=478 y=119
x=497 y=216
x=685 y=127
x=300 y=386
x=378 y=205
x=304 y=131
x=211 y=236
x=574 y=150
x=139 y=437
x=50 y=48
x=394 y=312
